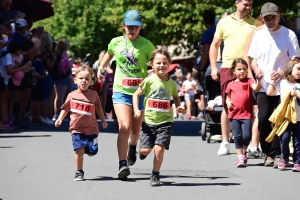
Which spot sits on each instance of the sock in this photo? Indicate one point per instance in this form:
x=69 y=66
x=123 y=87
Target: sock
x=155 y=173
x=252 y=149
x=240 y=156
x=16 y=112
x=122 y=163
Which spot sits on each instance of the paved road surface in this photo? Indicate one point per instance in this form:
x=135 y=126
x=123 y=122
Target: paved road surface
x=39 y=164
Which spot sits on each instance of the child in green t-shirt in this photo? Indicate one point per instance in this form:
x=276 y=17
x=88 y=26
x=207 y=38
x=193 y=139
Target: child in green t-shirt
x=158 y=119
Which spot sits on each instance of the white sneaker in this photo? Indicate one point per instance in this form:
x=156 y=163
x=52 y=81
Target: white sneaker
x=224 y=149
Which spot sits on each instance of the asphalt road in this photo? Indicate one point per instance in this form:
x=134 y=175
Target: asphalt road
x=39 y=164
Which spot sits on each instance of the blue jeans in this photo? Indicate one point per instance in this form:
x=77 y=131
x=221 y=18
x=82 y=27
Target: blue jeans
x=285 y=140
x=241 y=129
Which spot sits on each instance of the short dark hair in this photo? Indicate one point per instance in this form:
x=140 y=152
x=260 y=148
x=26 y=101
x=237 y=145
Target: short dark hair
x=14 y=46
x=209 y=16
x=27 y=44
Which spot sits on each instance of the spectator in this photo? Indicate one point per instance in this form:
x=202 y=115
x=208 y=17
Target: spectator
x=4 y=12
x=36 y=38
x=271 y=49
x=189 y=87
x=21 y=27
x=229 y=29
x=60 y=81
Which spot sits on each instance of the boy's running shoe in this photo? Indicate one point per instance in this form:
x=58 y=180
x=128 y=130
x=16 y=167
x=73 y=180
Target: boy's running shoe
x=296 y=168
x=241 y=163
x=131 y=157
x=155 y=180
x=79 y=174
x=123 y=172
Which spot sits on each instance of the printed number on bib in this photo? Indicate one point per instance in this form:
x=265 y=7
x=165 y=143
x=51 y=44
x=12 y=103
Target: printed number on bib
x=82 y=107
x=159 y=105
x=132 y=83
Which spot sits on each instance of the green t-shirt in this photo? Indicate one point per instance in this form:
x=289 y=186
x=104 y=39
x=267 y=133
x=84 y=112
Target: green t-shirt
x=157 y=99
x=131 y=62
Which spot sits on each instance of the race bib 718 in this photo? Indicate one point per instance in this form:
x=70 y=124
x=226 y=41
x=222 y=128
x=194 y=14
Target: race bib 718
x=82 y=107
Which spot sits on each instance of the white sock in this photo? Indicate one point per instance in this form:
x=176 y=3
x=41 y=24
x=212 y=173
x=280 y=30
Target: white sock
x=240 y=156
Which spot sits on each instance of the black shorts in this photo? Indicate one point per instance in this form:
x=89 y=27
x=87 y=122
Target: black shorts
x=156 y=135
x=2 y=84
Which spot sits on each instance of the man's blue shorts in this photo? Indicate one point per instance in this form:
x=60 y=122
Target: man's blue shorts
x=88 y=142
x=122 y=98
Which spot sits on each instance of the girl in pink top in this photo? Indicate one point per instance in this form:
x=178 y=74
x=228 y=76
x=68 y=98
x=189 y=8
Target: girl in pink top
x=239 y=102
x=83 y=103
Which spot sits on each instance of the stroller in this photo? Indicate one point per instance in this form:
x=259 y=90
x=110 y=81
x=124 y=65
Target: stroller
x=211 y=127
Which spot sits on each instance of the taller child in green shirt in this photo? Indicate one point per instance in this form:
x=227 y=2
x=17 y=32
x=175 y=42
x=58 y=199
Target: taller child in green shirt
x=158 y=120
x=132 y=53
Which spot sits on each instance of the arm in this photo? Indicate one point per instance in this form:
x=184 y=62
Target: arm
x=256 y=86
x=61 y=116
x=258 y=72
x=12 y=70
x=213 y=54
x=229 y=103
x=204 y=56
x=271 y=90
x=176 y=99
x=295 y=94
x=100 y=113
x=135 y=101
x=107 y=57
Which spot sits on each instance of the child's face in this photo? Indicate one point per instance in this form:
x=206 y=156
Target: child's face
x=240 y=71
x=83 y=80
x=296 y=71
x=160 y=64
x=188 y=76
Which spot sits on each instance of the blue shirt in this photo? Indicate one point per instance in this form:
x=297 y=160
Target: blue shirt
x=207 y=38
x=17 y=37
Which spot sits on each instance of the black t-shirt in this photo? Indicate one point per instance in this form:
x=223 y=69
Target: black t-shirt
x=48 y=57
x=55 y=73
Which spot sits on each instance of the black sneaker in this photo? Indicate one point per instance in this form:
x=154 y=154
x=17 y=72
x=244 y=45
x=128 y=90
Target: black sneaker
x=141 y=156
x=131 y=157
x=154 y=180
x=79 y=175
x=123 y=172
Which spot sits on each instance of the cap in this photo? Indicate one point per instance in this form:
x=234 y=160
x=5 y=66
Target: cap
x=18 y=76
x=269 y=9
x=21 y=23
x=133 y=18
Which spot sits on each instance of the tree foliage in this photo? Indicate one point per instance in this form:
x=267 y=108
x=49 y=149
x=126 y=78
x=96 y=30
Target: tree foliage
x=90 y=24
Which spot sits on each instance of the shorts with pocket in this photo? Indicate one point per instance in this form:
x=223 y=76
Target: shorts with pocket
x=88 y=142
x=156 y=135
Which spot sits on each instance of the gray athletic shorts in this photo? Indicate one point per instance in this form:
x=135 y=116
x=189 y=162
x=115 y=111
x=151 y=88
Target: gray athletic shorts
x=156 y=135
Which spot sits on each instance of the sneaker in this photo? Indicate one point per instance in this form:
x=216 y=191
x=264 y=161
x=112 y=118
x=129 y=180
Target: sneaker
x=54 y=118
x=79 y=175
x=123 y=172
x=241 y=163
x=154 y=180
x=131 y=157
x=4 y=126
x=224 y=149
x=141 y=156
x=9 y=125
x=257 y=154
x=269 y=162
x=282 y=164
x=296 y=168
x=47 y=121
x=277 y=160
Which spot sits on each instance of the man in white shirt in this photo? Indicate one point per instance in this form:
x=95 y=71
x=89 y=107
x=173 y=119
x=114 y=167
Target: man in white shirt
x=271 y=49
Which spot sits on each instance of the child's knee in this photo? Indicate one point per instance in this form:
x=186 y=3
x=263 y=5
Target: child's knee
x=159 y=149
x=145 y=151
x=80 y=151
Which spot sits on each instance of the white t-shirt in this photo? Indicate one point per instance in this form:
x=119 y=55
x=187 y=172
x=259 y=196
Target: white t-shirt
x=191 y=86
x=273 y=51
x=4 y=61
x=285 y=87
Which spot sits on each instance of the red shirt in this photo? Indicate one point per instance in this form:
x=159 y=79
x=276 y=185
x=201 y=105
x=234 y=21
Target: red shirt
x=241 y=96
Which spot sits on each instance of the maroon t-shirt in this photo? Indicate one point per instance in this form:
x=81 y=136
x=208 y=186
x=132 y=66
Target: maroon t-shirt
x=241 y=96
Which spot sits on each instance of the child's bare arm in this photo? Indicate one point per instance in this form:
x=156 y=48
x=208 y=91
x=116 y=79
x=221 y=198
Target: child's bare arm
x=135 y=101
x=229 y=103
x=271 y=90
x=101 y=116
x=256 y=86
x=62 y=115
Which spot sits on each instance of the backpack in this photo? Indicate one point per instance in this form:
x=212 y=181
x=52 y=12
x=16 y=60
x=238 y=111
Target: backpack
x=63 y=65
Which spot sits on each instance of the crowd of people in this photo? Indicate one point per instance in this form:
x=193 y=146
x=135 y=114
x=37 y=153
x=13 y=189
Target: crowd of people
x=41 y=83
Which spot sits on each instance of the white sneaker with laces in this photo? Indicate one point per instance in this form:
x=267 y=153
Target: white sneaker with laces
x=224 y=149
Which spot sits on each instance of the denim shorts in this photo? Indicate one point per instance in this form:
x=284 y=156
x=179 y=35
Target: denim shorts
x=88 y=142
x=60 y=83
x=122 y=98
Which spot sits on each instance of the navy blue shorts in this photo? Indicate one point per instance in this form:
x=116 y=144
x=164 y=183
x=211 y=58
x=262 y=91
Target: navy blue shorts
x=88 y=142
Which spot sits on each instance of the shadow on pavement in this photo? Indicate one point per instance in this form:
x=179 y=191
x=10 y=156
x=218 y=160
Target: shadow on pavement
x=23 y=136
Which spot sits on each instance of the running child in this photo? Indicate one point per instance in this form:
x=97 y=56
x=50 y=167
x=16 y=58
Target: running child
x=83 y=103
x=289 y=83
x=240 y=107
x=158 y=119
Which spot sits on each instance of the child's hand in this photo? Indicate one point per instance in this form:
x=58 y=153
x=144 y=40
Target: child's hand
x=293 y=92
x=229 y=103
x=58 y=122
x=180 y=109
x=104 y=124
x=137 y=114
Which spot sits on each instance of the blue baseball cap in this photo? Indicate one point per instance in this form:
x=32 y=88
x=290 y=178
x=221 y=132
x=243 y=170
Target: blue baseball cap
x=133 y=18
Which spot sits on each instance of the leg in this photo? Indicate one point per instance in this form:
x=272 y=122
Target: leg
x=25 y=101
x=60 y=92
x=79 y=158
x=225 y=125
x=296 y=139
x=188 y=107
x=158 y=157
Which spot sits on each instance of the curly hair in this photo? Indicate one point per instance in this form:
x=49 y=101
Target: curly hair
x=287 y=71
x=84 y=68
